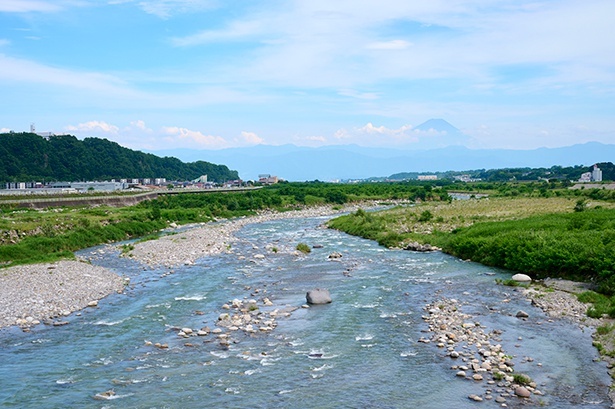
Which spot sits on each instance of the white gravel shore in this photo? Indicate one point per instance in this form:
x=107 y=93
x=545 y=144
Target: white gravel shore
x=43 y=292
x=184 y=248
x=47 y=293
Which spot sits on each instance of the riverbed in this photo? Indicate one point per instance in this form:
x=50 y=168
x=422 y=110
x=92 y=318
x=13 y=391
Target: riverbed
x=363 y=350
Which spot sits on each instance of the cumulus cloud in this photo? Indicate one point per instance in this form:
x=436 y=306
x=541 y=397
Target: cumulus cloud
x=370 y=134
x=139 y=125
x=189 y=138
x=5 y=130
x=251 y=138
x=95 y=127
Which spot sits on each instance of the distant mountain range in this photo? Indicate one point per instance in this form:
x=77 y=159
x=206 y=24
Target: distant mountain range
x=442 y=149
x=328 y=163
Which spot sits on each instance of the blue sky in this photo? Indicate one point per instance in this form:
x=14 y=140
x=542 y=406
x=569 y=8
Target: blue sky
x=211 y=74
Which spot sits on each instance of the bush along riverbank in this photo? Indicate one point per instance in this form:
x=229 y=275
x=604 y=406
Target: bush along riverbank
x=554 y=241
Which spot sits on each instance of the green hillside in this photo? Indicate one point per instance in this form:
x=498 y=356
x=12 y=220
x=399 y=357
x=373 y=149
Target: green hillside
x=29 y=157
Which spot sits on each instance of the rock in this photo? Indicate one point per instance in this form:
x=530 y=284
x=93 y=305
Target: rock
x=522 y=392
x=500 y=399
x=461 y=374
x=60 y=323
x=93 y=303
x=522 y=314
x=318 y=296
x=335 y=255
x=521 y=278
x=105 y=395
x=416 y=246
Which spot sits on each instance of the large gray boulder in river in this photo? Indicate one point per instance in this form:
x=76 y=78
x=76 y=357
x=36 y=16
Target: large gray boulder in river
x=318 y=296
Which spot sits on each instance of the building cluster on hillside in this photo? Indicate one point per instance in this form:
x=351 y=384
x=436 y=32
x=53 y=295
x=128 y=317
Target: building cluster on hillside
x=594 y=176
x=267 y=179
x=38 y=188
x=466 y=178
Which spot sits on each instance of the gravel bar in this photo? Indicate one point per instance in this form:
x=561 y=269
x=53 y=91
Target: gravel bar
x=37 y=293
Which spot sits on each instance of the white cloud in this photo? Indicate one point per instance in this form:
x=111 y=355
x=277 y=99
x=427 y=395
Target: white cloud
x=139 y=125
x=25 y=6
x=177 y=136
x=251 y=138
x=372 y=135
x=369 y=128
x=19 y=70
x=389 y=45
x=235 y=31
x=4 y=42
x=95 y=127
x=359 y=95
x=166 y=8
x=5 y=130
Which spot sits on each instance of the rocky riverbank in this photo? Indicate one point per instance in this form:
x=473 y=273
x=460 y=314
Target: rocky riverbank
x=47 y=293
x=185 y=247
x=477 y=354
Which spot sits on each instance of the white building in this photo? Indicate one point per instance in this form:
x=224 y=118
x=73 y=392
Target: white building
x=596 y=174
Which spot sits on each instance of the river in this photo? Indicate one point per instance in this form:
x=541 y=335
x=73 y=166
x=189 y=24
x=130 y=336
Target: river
x=360 y=351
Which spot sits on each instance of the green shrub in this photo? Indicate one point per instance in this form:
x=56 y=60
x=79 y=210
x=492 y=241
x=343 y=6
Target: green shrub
x=304 y=248
x=522 y=379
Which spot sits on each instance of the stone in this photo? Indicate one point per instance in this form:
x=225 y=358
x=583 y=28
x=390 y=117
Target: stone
x=335 y=254
x=522 y=392
x=522 y=314
x=318 y=296
x=522 y=278
x=93 y=303
x=416 y=246
x=461 y=374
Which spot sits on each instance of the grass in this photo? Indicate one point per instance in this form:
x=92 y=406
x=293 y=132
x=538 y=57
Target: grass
x=543 y=237
x=522 y=379
x=304 y=248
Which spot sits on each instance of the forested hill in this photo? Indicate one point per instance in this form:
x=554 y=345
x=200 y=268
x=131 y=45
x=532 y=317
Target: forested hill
x=29 y=157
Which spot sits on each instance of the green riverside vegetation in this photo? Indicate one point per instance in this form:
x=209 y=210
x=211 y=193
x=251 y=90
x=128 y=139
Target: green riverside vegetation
x=31 y=236
x=551 y=236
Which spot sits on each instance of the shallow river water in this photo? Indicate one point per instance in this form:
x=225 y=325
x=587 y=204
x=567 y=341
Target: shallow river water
x=361 y=351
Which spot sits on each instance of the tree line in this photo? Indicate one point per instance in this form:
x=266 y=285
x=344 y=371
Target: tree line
x=30 y=157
